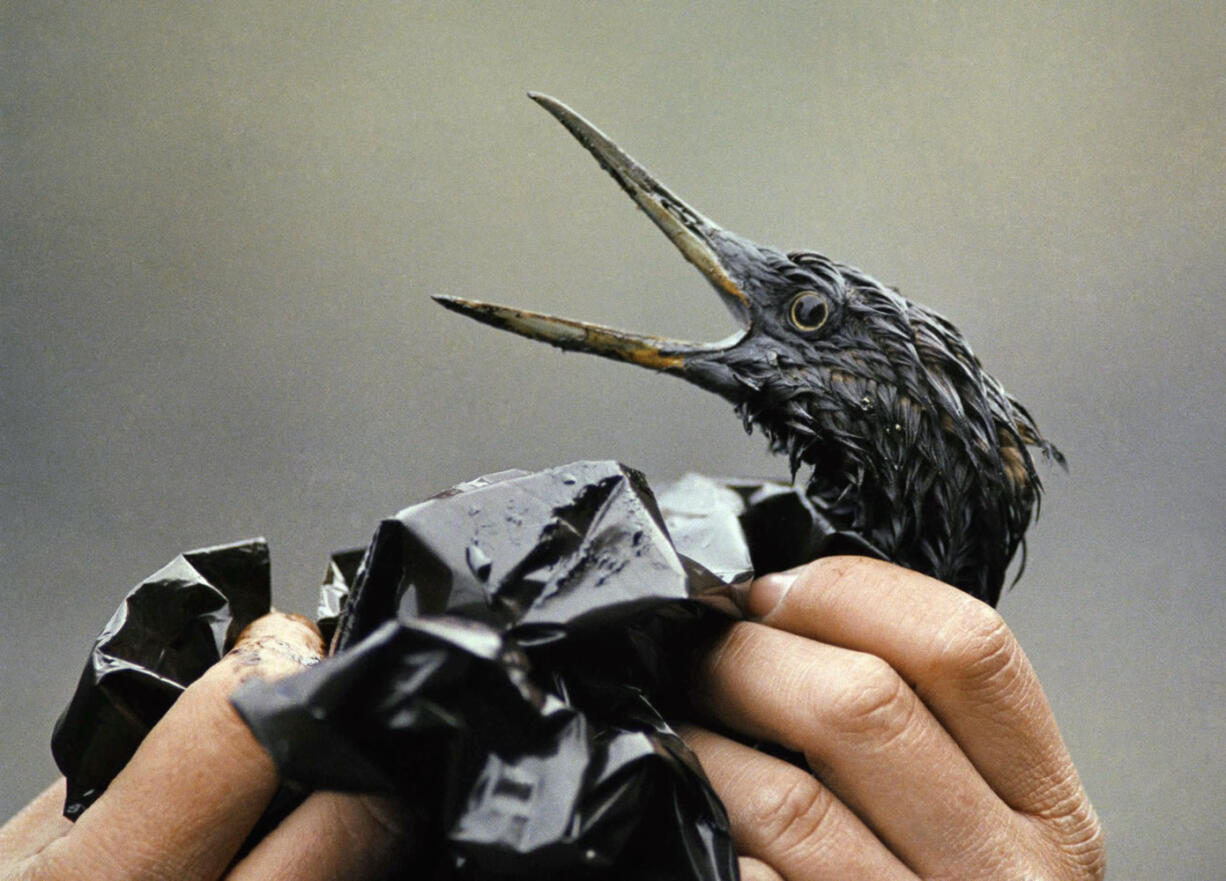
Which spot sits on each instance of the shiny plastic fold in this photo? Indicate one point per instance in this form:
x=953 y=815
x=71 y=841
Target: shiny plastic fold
x=504 y=657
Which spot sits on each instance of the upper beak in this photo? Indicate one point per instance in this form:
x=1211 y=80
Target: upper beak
x=715 y=252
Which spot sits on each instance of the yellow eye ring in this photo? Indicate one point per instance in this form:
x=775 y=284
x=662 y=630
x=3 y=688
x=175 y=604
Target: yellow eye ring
x=809 y=311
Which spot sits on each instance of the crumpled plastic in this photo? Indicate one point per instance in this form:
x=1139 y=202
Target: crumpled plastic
x=504 y=657
x=169 y=629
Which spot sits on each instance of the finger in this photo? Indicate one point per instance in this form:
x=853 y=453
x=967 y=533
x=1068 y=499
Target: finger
x=198 y=782
x=956 y=652
x=785 y=820
x=756 y=870
x=34 y=826
x=331 y=836
x=869 y=738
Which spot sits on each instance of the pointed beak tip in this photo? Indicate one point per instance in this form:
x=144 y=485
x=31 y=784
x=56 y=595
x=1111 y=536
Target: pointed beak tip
x=549 y=104
x=455 y=304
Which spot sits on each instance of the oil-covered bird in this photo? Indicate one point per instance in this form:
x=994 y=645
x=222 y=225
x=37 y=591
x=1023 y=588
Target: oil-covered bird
x=910 y=443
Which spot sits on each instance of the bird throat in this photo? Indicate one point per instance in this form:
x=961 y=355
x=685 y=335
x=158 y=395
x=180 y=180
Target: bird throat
x=924 y=497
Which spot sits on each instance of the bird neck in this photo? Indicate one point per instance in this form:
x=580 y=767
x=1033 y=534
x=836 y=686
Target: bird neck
x=928 y=502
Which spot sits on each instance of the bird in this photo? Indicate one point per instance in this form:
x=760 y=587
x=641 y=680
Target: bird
x=906 y=440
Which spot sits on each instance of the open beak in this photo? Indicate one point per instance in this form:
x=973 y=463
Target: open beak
x=713 y=251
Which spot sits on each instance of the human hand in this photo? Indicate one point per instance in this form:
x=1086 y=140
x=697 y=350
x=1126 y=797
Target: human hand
x=190 y=795
x=935 y=753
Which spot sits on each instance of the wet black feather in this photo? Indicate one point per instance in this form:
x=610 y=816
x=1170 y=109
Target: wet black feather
x=907 y=439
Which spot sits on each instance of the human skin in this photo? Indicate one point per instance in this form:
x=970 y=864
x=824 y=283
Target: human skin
x=187 y=799
x=933 y=749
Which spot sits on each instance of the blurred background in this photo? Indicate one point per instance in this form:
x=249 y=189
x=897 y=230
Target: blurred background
x=221 y=223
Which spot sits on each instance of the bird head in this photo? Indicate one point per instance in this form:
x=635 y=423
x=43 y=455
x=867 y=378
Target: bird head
x=909 y=441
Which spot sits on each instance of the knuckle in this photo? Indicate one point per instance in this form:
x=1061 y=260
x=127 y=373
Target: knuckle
x=978 y=650
x=1088 y=852
x=1056 y=796
x=1074 y=828
x=872 y=702
x=785 y=815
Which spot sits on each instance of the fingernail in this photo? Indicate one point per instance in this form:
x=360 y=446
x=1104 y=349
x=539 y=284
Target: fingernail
x=765 y=593
x=285 y=641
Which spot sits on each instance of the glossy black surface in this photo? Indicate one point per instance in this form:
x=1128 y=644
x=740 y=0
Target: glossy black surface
x=505 y=656
x=169 y=629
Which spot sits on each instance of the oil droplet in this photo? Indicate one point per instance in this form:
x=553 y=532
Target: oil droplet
x=478 y=561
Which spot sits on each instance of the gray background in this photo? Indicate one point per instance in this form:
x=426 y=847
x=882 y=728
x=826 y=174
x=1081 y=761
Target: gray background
x=221 y=223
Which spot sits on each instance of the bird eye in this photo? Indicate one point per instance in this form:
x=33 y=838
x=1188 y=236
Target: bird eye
x=809 y=310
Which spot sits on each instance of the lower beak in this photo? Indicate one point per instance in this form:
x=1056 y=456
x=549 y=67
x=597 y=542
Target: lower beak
x=713 y=251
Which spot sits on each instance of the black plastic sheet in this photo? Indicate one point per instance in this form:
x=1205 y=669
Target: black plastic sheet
x=505 y=655
x=497 y=666
x=169 y=629
x=741 y=526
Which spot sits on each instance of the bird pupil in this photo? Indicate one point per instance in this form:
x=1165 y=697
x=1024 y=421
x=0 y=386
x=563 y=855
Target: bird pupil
x=809 y=311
